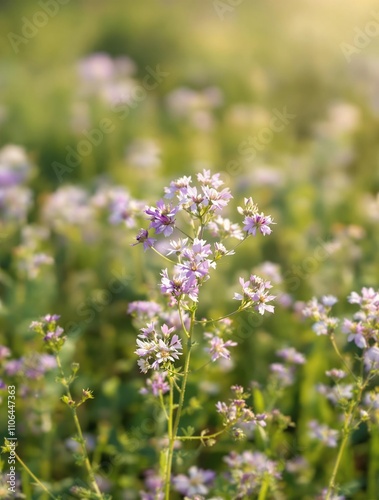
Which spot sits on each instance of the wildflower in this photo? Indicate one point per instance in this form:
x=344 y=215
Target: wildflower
x=122 y=208
x=156 y=384
x=371 y=358
x=4 y=352
x=291 y=356
x=144 y=309
x=248 y=470
x=178 y=247
x=206 y=179
x=368 y=297
x=162 y=218
x=237 y=411
x=249 y=209
x=329 y=300
x=336 y=373
x=181 y=284
x=197 y=482
x=178 y=186
x=154 y=485
x=356 y=333
x=143 y=237
x=215 y=199
x=223 y=228
x=255 y=294
x=323 y=434
x=50 y=332
x=285 y=374
x=259 y=222
x=218 y=348
x=157 y=349
x=337 y=394
x=221 y=251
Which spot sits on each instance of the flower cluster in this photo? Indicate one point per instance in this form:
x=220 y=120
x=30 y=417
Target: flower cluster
x=319 y=312
x=323 y=433
x=284 y=373
x=248 y=470
x=255 y=294
x=237 y=413
x=255 y=221
x=157 y=350
x=51 y=333
x=196 y=482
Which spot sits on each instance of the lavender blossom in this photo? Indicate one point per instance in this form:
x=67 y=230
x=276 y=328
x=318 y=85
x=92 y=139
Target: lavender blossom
x=218 y=348
x=323 y=434
x=162 y=218
x=197 y=482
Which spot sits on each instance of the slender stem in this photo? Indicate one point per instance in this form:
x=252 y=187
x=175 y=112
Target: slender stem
x=218 y=319
x=87 y=463
x=161 y=255
x=346 y=433
x=185 y=234
x=26 y=468
x=173 y=426
x=264 y=488
x=335 y=347
x=207 y=436
x=163 y=405
x=171 y=443
x=181 y=321
x=336 y=466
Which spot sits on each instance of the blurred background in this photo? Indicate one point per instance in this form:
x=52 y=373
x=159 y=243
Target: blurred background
x=98 y=98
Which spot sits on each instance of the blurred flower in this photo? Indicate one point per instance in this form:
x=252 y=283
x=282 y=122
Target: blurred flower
x=323 y=434
x=218 y=348
x=248 y=470
x=156 y=384
x=14 y=166
x=198 y=481
x=15 y=202
x=144 y=154
x=290 y=355
x=69 y=205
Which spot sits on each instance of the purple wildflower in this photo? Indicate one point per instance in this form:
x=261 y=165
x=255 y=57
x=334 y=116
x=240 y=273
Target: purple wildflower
x=162 y=218
x=156 y=384
x=144 y=309
x=323 y=434
x=255 y=294
x=259 y=222
x=206 y=179
x=143 y=237
x=218 y=348
x=157 y=349
x=290 y=355
x=181 y=284
x=197 y=482
x=4 y=352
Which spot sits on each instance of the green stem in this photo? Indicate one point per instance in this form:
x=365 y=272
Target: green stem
x=264 y=489
x=335 y=347
x=163 y=405
x=346 y=433
x=207 y=436
x=161 y=255
x=26 y=468
x=87 y=463
x=173 y=427
x=218 y=319
x=336 y=466
x=171 y=443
